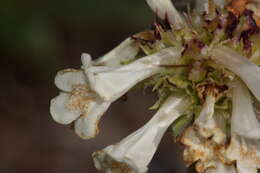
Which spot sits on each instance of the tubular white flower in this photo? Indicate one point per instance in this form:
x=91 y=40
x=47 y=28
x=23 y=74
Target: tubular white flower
x=126 y=50
x=241 y=66
x=244 y=121
x=165 y=9
x=111 y=85
x=77 y=103
x=134 y=153
x=205 y=120
x=210 y=123
x=73 y=99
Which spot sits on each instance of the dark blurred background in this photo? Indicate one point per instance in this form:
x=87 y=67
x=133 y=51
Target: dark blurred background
x=38 y=38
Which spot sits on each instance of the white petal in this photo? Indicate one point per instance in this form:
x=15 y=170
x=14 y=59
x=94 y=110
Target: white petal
x=87 y=65
x=221 y=168
x=205 y=119
x=211 y=124
x=165 y=8
x=86 y=60
x=113 y=84
x=87 y=125
x=245 y=152
x=66 y=79
x=241 y=66
x=244 y=121
x=60 y=111
x=135 y=152
x=126 y=50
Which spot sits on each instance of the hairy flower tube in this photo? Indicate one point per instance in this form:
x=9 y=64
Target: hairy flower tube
x=203 y=65
x=136 y=151
x=112 y=84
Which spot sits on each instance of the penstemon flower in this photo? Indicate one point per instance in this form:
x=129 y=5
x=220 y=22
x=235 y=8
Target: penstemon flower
x=77 y=102
x=112 y=84
x=204 y=66
x=134 y=153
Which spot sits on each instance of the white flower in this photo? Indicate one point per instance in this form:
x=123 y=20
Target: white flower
x=245 y=130
x=243 y=120
x=126 y=50
x=134 y=153
x=77 y=102
x=165 y=9
x=111 y=85
x=241 y=66
x=205 y=120
x=210 y=123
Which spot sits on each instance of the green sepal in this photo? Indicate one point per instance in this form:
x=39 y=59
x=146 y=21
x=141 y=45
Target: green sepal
x=180 y=125
x=179 y=80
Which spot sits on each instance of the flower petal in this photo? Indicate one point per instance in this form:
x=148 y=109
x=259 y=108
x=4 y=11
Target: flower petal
x=241 y=66
x=135 y=152
x=245 y=152
x=165 y=9
x=205 y=119
x=60 y=111
x=198 y=150
x=86 y=60
x=66 y=79
x=87 y=125
x=113 y=84
x=210 y=123
x=244 y=121
x=126 y=50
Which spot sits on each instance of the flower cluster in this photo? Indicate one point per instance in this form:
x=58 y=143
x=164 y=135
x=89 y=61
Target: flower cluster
x=204 y=66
